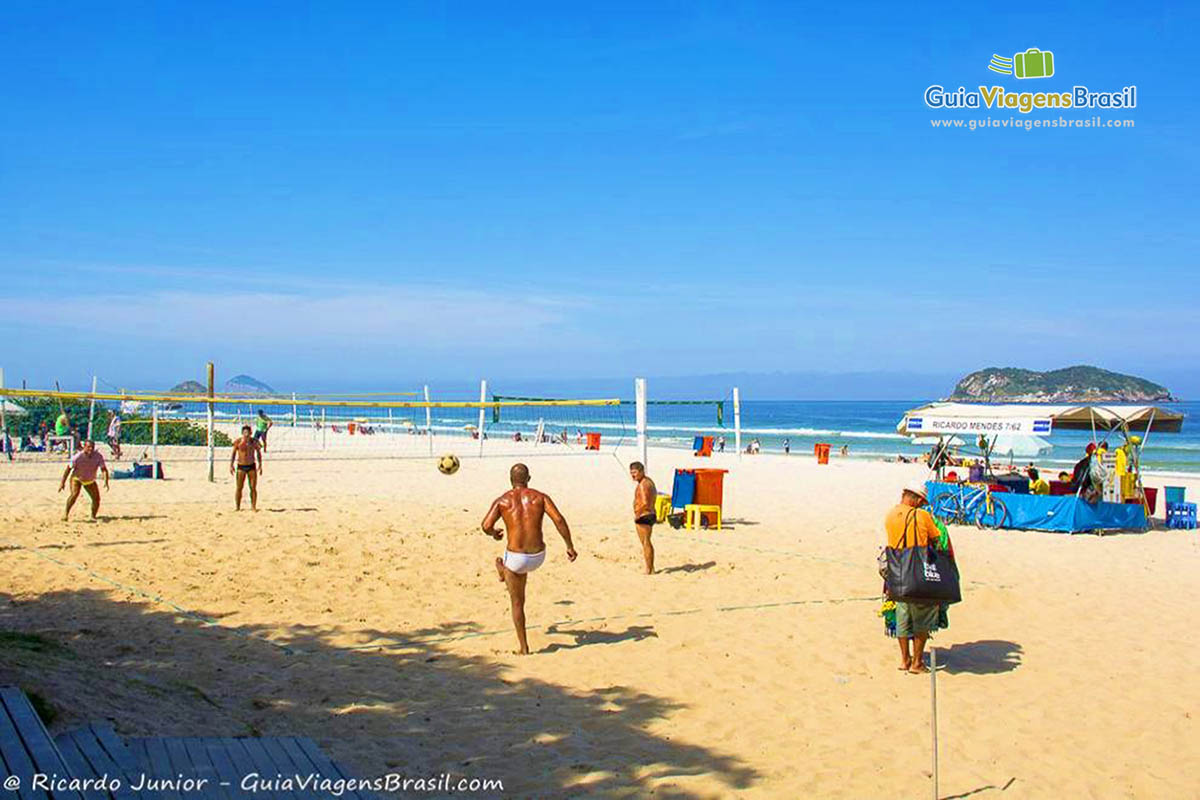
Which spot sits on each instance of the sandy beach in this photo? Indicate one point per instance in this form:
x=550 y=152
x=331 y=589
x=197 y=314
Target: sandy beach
x=360 y=607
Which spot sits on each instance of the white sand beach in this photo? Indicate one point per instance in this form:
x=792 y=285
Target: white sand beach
x=360 y=607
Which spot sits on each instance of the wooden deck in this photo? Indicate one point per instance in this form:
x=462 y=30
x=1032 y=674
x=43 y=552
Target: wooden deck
x=26 y=749
x=160 y=768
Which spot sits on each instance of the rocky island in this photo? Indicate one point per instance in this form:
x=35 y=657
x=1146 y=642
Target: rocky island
x=1080 y=384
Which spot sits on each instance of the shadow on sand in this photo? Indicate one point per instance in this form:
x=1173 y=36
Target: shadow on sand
x=688 y=567
x=635 y=633
x=986 y=657
x=411 y=705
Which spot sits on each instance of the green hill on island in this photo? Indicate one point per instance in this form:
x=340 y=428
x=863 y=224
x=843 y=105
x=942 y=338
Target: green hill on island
x=188 y=387
x=1080 y=384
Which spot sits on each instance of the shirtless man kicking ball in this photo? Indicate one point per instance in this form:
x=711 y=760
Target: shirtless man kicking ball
x=522 y=509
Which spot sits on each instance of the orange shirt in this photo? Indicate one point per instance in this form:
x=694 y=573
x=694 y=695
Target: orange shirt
x=926 y=528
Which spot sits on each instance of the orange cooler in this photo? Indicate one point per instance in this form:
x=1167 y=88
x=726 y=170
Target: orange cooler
x=710 y=486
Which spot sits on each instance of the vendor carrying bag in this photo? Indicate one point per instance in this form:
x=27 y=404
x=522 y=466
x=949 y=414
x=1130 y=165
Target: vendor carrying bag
x=921 y=574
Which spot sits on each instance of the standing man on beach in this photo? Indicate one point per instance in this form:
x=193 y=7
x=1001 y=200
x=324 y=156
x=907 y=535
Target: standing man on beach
x=261 y=425
x=247 y=453
x=522 y=510
x=114 y=435
x=909 y=525
x=643 y=511
x=82 y=471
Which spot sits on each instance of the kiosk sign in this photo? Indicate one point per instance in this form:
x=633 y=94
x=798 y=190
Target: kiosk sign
x=949 y=425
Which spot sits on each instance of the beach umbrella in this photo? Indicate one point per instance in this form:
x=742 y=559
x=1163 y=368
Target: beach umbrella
x=1019 y=445
x=14 y=409
x=933 y=438
x=407 y=423
x=468 y=427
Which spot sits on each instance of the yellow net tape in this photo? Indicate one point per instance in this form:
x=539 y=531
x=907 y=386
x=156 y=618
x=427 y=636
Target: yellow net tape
x=282 y=401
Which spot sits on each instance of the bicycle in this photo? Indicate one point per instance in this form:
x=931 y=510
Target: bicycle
x=971 y=503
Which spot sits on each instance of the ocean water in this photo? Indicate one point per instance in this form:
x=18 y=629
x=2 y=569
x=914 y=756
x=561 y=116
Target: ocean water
x=867 y=428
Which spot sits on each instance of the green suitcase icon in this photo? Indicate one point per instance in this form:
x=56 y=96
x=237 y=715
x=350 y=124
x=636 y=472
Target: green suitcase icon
x=1033 y=63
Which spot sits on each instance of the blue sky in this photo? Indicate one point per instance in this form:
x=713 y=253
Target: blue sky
x=379 y=194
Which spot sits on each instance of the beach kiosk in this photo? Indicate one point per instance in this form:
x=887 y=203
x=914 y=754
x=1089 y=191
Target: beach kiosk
x=1016 y=423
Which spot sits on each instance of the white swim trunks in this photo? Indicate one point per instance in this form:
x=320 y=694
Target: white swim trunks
x=523 y=563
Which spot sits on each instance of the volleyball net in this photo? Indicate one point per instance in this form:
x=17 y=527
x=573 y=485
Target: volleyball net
x=45 y=424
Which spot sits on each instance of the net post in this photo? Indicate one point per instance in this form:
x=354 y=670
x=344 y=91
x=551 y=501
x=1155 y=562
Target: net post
x=482 y=412
x=211 y=431
x=293 y=409
x=92 y=407
x=3 y=414
x=933 y=717
x=154 y=440
x=324 y=428
x=737 y=421
x=428 y=420
x=639 y=394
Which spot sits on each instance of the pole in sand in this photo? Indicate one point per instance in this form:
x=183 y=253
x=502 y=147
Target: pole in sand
x=92 y=407
x=428 y=420
x=211 y=432
x=639 y=394
x=3 y=415
x=293 y=409
x=737 y=421
x=482 y=400
x=154 y=440
x=933 y=717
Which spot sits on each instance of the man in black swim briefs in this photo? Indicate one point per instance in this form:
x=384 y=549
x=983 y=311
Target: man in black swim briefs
x=247 y=454
x=644 y=497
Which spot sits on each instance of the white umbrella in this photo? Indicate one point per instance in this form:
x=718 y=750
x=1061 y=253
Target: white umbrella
x=1019 y=445
x=933 y=438
x=14 y=409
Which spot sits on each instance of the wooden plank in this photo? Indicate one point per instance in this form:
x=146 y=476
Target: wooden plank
x=283 y=762
x=38 y=744
x=203 y=770
x=77 y=764
x=158 y=765
x=16 y=758
x=325 y=764
x=264 y=765
x=306 y=765
x=218 y=754
x=126 y=763
x=243 y=763
x=98 y=760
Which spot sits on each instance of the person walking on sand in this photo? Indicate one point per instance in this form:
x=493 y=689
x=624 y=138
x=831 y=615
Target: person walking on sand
x=114 y=435
x=262 y=424
x=787 y=446
x=522 y=510
x=82 y=472
x=914 y=621
x=247 y=454
x=643 y=511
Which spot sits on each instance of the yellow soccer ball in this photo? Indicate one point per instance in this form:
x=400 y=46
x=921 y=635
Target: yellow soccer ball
x=448 y=464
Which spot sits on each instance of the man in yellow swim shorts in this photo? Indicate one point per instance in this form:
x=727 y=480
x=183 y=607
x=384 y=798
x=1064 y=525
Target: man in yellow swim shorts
x=82 y=472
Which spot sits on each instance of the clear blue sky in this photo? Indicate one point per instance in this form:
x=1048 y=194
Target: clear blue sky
x=369 y=193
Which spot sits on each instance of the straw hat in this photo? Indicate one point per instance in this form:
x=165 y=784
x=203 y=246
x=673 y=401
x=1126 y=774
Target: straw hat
x=917 y=487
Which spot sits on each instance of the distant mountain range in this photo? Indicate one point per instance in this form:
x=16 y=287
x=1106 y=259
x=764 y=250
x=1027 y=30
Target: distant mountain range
x=237 y=385
x=1080 y=384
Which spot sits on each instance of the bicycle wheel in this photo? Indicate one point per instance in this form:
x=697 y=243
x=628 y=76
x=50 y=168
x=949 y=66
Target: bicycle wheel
x=994 y=518
x=947 y=507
